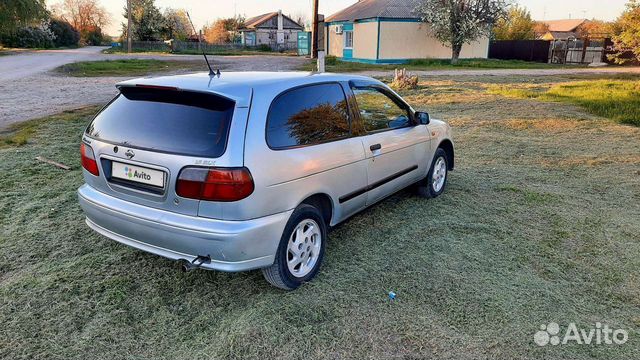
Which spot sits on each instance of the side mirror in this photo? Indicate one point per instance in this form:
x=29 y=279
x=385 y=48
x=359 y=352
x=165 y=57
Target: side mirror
x=423 y=118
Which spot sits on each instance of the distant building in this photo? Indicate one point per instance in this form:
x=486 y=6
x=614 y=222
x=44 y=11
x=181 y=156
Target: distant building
x=388 y=31
x=563 y=29
x=271 y=29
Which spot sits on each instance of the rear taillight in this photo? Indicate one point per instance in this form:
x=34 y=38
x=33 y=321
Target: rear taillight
x=215 y=184
x=88 y=159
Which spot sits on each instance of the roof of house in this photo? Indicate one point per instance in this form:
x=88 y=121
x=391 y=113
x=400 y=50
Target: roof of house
x=559 y=35
x=565 y=25
x=253 y=22
x=366 y=9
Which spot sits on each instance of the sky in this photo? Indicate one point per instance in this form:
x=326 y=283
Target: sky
x=203 y=11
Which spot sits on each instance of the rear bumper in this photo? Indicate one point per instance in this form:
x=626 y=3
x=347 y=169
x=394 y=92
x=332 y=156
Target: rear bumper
x=232 y=245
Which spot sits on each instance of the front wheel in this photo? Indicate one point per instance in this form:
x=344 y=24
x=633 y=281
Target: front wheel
x=300 y=251
x=436 y=181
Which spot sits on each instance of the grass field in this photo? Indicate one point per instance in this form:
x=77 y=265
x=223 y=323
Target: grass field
x=127 y=67
x=617 y=99
x=540 y=223
x=335 y=65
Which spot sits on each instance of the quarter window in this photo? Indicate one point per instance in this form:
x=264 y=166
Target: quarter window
x=378 y=111
x=348 y=39
x=308 y=115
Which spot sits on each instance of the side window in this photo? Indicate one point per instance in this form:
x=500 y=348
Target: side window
x=378 y=111
x=308 y=115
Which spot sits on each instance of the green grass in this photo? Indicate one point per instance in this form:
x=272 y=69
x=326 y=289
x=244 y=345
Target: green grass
x=618 y=100
x=18 y=134
x=127 y=67
x=539 y=224
x=334 y=65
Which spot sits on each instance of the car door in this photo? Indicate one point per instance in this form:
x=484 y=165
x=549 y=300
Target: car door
x=396 y=148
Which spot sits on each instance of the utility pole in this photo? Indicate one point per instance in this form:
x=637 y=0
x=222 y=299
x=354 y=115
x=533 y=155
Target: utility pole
x=129 y=26
x=314 y=31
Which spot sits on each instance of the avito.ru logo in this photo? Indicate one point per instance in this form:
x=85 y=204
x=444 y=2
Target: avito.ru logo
x=601 y=334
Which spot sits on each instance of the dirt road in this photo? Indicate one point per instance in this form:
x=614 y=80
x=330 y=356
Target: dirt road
x=29 y=90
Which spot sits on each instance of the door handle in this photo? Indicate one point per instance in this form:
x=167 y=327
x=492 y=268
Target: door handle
x=375 y=147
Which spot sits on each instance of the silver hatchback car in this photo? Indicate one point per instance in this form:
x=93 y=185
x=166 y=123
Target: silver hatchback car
x=245 y=171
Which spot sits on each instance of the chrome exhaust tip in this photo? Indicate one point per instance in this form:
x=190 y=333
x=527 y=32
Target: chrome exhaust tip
x=187 y=266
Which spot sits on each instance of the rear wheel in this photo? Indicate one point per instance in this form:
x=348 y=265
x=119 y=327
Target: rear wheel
x=300 y=251
x=436 y=181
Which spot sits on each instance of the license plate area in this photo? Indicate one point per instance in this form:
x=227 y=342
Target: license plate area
x=137 y=176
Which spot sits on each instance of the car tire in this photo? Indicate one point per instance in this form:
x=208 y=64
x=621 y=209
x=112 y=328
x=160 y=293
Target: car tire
x=301 y=249
x=433 y=186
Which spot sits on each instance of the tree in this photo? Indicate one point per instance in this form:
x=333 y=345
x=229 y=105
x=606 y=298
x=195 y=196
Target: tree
x=65 y=34
x=146 y=20
x=302 y=18
x=216 y=32
x=32 y=36
x=595 y=29
x=459 y=22
x=517 y=25
x=176 y=24
x=86 y=16
x=540 y=28
x=15 y=14
x=627 y=32
x=232 y=25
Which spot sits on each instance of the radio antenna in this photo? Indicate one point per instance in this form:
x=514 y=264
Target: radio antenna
x=211 y=72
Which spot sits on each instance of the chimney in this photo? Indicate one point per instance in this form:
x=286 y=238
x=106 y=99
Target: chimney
x=280 y=21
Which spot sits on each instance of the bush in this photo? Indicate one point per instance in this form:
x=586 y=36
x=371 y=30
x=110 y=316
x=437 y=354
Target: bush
x=30 y=37
x=92 y=37
x=331 y=60
x=263 y=47
x=65 y=34
x=402 y=80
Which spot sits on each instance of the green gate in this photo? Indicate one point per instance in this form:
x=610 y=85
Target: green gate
x=304 y=43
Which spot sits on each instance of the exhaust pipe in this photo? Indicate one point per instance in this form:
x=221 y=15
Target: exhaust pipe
x=187 y=266
x=196 y=263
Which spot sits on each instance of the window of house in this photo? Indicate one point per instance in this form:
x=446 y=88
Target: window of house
x=308 y=115
x=348 y=39
x=378 y=111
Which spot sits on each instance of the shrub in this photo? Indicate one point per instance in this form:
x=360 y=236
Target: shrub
x=93 y=37
x=65 y=34
x=331 y=60
x=30 y=37
x=402 y=80
x=263 y=47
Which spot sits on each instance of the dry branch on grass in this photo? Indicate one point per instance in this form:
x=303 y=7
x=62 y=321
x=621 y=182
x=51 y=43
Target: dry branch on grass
x=402 y=80
x=54 y=163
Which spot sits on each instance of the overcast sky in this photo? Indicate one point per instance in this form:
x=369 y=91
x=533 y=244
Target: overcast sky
x=203 y=11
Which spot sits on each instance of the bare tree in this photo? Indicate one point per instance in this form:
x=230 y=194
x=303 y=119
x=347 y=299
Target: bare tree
x=83 y=15
x=301 y=18
x=459 y=22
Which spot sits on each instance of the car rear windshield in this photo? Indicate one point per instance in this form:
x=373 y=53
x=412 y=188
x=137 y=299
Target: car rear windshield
x=172 y=121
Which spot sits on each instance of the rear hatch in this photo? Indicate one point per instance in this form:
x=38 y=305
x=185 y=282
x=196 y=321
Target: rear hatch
x=148 y=134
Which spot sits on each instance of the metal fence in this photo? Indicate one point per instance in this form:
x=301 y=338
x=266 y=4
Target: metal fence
x=525 y=50
x=578 y=51
x=191 y=46
x=568 y=51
